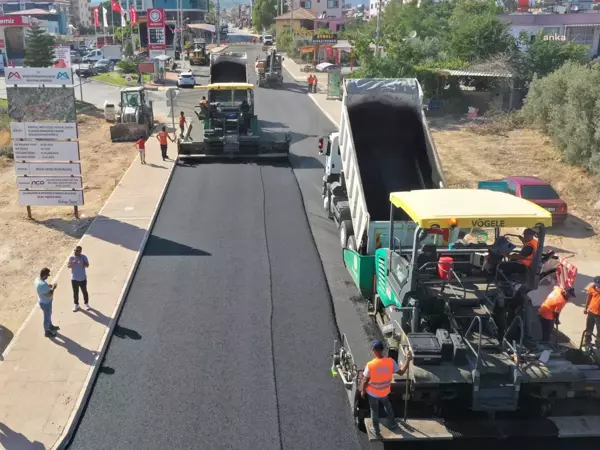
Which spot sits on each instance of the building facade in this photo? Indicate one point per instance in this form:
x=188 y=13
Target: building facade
x=326 y=9
x=582 y=28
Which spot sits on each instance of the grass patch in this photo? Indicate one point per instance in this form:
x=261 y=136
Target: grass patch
x=118 y=79
x=3 y=103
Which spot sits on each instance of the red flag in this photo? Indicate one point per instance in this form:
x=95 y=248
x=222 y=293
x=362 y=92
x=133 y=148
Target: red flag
x=96 y=17
x=116 y=7
x=133 y=15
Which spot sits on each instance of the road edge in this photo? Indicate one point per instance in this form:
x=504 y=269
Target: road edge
x=69 y=431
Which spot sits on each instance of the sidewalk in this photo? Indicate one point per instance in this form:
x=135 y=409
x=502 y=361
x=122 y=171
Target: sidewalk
x=295 y=71
x=44 y=382
x=572 y=318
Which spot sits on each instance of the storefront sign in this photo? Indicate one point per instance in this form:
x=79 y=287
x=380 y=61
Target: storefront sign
x=12 y=21
x=64 y=169
x=146 y=68
x=48 y=76
x=56 y=183
x=156 y=29
x=51 y=198
x=42 y=130
x=45 y=151
x=2 y=44
x=62 y=53
x=324 y=38
x=303 y=35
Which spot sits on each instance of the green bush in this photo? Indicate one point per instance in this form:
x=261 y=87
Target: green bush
x=566 y=106
x=128 y=66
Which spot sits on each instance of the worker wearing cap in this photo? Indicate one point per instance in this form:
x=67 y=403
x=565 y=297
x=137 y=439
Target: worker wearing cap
x=530 y=245
x=551 y=308
x=592 y=310
x=376 y=382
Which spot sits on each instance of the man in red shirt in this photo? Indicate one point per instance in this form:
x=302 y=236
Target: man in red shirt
x=551 y=308
x=162 y=137
x=182 y=123
x=140 y=144
x=592 y=310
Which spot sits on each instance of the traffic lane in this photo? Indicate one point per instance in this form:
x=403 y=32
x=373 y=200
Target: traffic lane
x=313 y=408
x=289 y=109
x=200 y=369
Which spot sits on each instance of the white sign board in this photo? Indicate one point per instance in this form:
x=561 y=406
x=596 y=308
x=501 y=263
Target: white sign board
x=155 y=53
x=62 y=53
x=43 y=130
x=52 y=76
x=45 y=151
x=51 y=198
x=24 y=183
x=63 y=169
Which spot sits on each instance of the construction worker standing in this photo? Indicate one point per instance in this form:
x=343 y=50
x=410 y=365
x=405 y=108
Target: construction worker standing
x=592 y=310
x=310 y=81
x=376 y=382
x=551 y=308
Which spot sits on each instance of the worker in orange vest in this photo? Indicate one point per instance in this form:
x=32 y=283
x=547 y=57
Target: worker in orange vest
x=310 y=80
x=592 y=310
x=551 y=308
x=376 y=382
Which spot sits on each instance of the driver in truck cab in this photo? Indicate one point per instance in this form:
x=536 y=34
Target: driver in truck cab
x=376 y=385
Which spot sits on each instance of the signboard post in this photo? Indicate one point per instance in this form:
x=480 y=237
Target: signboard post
x=42 y=108
x=171 y=96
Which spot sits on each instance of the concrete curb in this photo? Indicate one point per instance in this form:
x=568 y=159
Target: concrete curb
x=73 y=422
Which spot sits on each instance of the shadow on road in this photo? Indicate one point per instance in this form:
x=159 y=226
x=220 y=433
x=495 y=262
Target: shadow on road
x=305 y=162
x=5 y=337
x=122 y=234
x=574 y=227
x=122 y=332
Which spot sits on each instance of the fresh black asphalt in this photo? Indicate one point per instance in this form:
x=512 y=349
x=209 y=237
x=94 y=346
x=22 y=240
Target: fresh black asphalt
x=226 y=335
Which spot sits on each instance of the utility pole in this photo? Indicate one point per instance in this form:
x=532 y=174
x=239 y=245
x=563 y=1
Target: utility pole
x=218 y=21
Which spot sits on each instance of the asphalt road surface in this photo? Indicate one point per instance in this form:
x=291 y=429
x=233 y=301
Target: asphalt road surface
x=226 y=335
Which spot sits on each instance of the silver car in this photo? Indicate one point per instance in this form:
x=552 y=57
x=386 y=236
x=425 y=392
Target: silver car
x=186 y=79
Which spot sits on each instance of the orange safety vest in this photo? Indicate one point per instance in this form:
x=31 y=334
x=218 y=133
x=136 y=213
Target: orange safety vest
x=533 y=244
x=553 y=304
x=381 y=371
x=309 y=80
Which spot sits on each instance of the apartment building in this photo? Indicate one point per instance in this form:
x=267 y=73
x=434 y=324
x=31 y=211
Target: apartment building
x=80 y=13
x=325 y=9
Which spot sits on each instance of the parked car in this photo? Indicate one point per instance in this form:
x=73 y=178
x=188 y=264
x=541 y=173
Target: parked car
x=539 y=192
x=186 y=79
x=104 y=66
x=326 y=67
x=86 y=70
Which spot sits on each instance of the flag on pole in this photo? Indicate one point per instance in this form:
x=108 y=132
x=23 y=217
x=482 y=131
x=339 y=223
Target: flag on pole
x=96 y=17
x=133 y=15
x=116 y=7
x=104 y=20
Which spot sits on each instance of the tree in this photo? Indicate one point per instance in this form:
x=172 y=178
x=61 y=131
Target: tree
x=39 y=51
x=210 y=16
x=480 y=37
x=263 y=14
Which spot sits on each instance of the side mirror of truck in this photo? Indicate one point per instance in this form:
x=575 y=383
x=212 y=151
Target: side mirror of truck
x=321 y=142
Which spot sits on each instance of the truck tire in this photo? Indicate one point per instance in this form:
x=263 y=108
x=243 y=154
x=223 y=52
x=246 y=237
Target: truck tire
x=345 y=232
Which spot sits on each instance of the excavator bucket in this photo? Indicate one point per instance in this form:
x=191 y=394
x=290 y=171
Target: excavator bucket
x=129 y=132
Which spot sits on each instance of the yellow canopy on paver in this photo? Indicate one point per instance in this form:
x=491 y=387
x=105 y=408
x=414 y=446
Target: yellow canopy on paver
x=468 y=208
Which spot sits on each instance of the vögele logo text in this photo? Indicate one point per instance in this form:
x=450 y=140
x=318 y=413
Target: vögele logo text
x=487 y=223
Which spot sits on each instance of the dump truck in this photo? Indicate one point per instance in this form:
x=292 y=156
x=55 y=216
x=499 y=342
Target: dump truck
x=269 y=69
x=383 y=145
x=228 y=67
x=446 y=298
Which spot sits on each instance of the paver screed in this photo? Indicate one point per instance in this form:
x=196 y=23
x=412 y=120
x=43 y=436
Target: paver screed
x=44 y=381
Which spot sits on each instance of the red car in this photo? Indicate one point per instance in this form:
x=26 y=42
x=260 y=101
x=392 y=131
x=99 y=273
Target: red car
x=539 y=192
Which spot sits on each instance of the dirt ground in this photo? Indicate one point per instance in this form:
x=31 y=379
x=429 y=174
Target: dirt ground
x=475 y=152
x=48 y=239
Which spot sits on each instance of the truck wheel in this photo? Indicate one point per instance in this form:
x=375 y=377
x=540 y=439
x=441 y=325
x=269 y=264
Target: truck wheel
x=345 y=232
